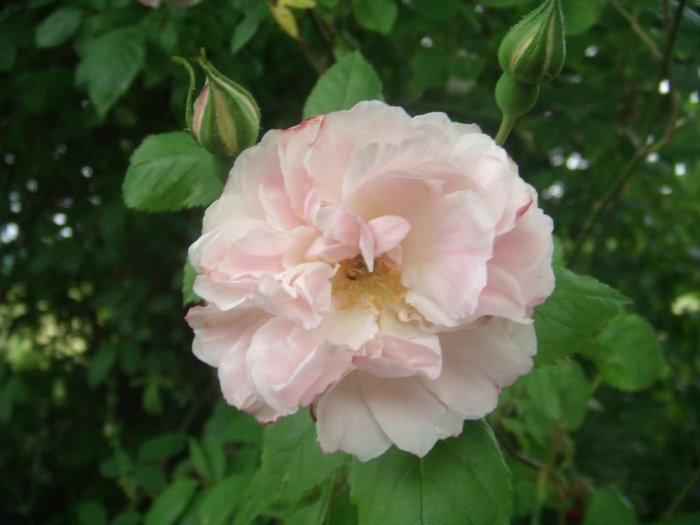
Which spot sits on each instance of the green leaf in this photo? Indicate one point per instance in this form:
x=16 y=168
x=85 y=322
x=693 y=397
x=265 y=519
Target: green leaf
x=375 y=15
x=292 y=461
x=681 y=519
x=314 y=512
x=58 y=27
x=171 y=503
x=292 y=466
x=560 y=392
x=228 y=424
x=299 y=4
x=628 y=354
x=102 y=363
x=574 y=315
x=199 y=460
x=439 y=12
x=92 y=513
x=428 y=69
x=222 y=500
x=247 y=27
x=348 y=82
x=499 y=4
x=8 y=53
x=152 y=402
x=188 y=276
x=171 y=171
x=162 y=447
x=608 y=506
x=128 y=517
x=216 y=457
x=581 y=16
x=462 y=481
x=110 y=65
x=150 y=477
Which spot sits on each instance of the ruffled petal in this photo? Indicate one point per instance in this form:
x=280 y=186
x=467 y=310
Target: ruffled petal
x=217 y=333
x=445 y=257
x=526 y=253
x=290 y=366
x=222 y=339
x=401 y=350
x=388 y=231
x=301 y=295
x=343 y=133
x=351 y=327
x=502 y=297
x=408 y=413
x=345 y=422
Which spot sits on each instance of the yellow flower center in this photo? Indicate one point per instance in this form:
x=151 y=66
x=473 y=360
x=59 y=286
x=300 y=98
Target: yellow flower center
x=355 y=285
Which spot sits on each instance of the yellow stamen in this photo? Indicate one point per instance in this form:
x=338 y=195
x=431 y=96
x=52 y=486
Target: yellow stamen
x=355 y=285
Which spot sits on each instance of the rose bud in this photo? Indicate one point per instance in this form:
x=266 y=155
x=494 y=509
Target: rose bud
x=225 y=119
x=515 y=98
x=534 y=50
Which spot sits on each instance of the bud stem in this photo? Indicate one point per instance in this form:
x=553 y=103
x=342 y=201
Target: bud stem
x=507 y=123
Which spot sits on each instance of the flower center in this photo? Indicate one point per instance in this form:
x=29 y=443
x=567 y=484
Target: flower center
x=355 y=285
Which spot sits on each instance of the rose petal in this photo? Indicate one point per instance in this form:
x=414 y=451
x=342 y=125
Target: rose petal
x=344 y=422
x=301 y=295
x=290 y=366
x=526 y=253
x=409 y=414
x=445 y=256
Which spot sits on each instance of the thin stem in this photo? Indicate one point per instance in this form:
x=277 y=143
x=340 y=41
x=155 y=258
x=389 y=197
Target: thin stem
x=315 y=62
x=666 y=62
x=638 y=29
x=600 y=205
x=507 y=124
x=595 y=383
x=676 y=503
x=628 y=171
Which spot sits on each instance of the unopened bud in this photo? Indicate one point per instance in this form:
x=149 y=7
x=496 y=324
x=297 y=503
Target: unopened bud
x=534 y=50
x=515 y=98
x=225 y=119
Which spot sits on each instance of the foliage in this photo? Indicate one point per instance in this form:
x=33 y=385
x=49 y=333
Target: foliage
x=107 y=418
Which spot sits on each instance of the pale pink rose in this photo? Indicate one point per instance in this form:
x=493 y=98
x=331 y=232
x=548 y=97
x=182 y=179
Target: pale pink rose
x=377 y=268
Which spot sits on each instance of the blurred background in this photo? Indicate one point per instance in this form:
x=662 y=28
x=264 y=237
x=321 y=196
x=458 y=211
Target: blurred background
x=105 y=415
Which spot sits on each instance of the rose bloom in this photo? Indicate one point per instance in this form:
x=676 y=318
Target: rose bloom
x=377 y=268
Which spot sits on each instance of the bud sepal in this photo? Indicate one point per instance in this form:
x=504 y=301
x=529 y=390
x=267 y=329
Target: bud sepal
x=224 y=119
x=534 y=50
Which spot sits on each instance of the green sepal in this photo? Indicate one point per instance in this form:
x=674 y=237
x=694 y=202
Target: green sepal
x=226 y=118
x=534 y=50
x=190 y=91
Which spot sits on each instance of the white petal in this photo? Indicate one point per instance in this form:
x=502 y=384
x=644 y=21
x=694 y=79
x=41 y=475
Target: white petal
x=502 y=297
x=290 y=366
x=222 y=339
x=216 y=333
x=344 y=422
x=302 y=294
x=526 y=253
x=445 y=256
x=388 y=232
x=352 y=326
x=409 y=414
x=478 y=361
x=401 y=350
x=500 y=348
